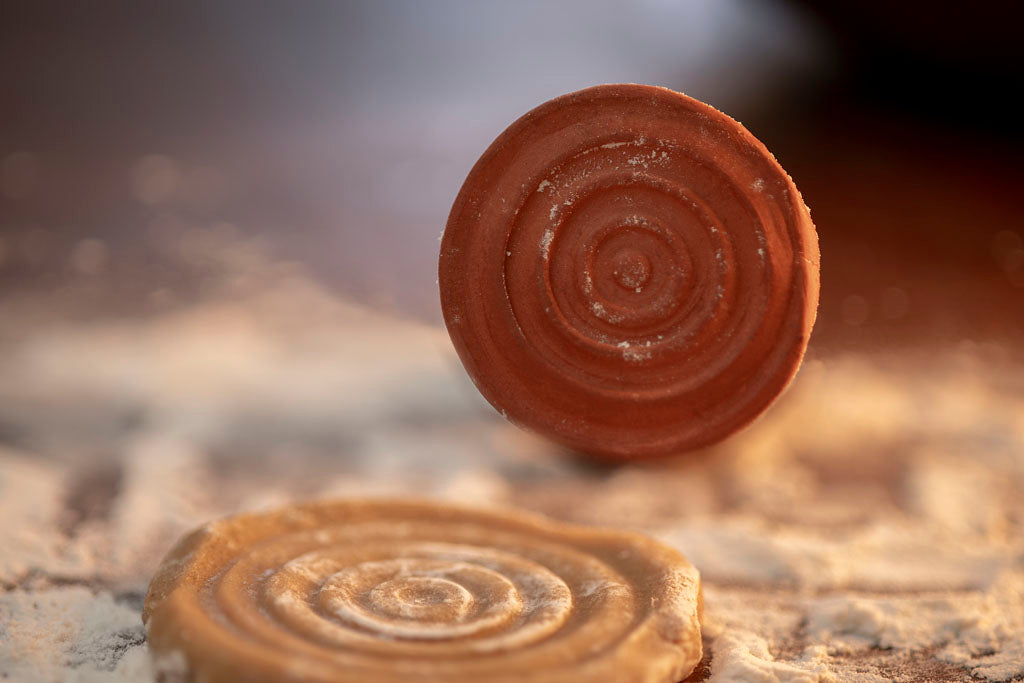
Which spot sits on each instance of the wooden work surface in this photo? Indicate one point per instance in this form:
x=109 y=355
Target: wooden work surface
x=868 y=528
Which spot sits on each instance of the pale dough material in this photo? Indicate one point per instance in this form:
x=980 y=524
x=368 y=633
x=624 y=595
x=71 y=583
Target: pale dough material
x=397 y=591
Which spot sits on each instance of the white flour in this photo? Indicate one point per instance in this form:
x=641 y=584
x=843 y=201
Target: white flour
x=869 y=528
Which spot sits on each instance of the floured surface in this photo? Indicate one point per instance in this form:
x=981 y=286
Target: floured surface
x=869 y=528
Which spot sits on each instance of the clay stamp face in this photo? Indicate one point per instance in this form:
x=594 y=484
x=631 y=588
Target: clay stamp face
x=391 y=592
x=629 y=272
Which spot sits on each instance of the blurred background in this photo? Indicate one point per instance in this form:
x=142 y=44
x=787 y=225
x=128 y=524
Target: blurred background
x=336 y=134
x=219 y=230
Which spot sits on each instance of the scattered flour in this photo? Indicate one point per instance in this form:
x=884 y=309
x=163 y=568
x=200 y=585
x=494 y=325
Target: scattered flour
x=70 y=634
x=635 y=353
x=30 y=539
x=545 y=241
x=741 y=655
x=869 y=528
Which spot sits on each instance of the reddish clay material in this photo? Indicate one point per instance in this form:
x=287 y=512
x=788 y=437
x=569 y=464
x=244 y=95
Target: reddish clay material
x=630 y=272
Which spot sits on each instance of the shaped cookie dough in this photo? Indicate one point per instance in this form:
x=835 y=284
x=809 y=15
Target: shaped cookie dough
x=392 y=592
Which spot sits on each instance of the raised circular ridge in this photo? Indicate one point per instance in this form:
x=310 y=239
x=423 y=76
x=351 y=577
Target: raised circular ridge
x=629 y=272
x=387 y=590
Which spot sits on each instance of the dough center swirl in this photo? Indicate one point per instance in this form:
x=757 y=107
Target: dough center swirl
x=425 y=599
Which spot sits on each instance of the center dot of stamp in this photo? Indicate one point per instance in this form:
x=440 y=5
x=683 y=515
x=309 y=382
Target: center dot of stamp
x=632 y=269
x=422 y=598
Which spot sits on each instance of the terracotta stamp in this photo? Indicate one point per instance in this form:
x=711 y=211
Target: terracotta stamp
x=389 y=592
x=629 y=272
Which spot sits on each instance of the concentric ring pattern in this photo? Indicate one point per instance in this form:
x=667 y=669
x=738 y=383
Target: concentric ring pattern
x=629 y=271
x=389 y=592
